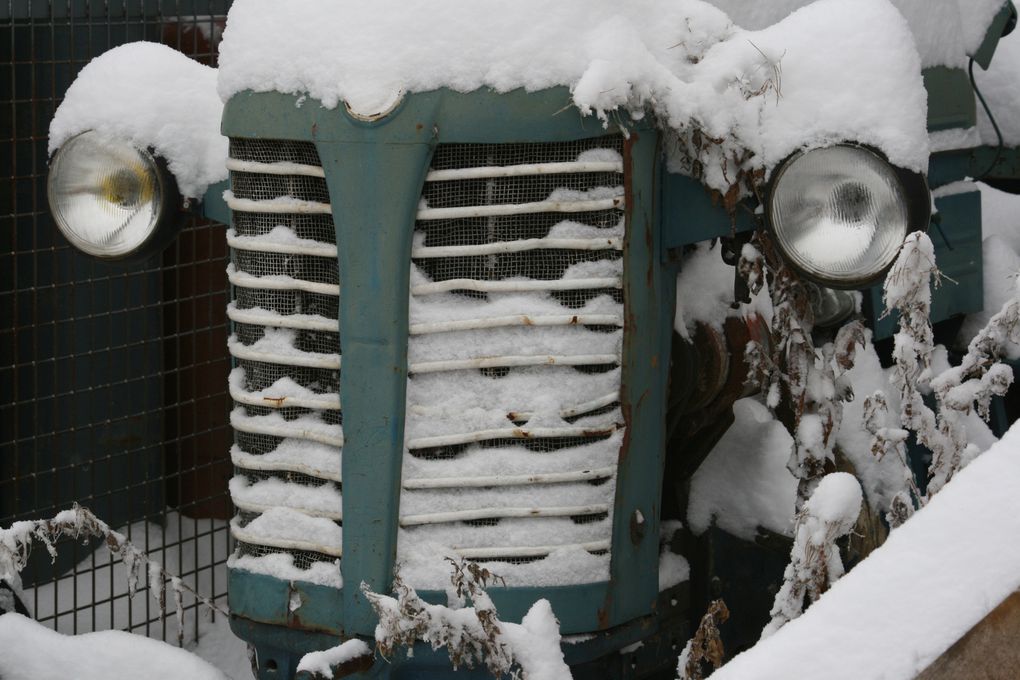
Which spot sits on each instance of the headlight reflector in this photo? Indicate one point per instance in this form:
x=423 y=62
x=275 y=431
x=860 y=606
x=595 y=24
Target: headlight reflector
x=839 y=214
x=106 y=196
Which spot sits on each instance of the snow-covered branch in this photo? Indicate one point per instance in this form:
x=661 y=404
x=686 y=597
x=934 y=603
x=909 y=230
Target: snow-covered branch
x=815 y=564
x=471 y=635
x=958 y=391
x=803 y=384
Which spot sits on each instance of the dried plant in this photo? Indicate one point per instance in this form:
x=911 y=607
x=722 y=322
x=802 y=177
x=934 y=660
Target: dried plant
x=958 y=391
x=815 y=562
x=704 y=652
x=803 y=385
x=472 y=635
x=80 y=523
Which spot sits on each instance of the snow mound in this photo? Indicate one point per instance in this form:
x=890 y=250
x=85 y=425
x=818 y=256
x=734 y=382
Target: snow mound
x=33 y=652
x=744 y=483
x=936 y=577
x=154 y=97
x=837 y=70
x=946 y=31
x=998 y=85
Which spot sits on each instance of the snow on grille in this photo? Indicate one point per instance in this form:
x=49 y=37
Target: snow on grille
x=286 y=348
x=513 y=423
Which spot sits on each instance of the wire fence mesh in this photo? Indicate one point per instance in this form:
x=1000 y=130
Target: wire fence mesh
x=112 y=376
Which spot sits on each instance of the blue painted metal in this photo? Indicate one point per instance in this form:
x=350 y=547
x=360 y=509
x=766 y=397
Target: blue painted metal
x=689 y=214
x=590 y=657
x=984 y=53
x=649 y=297
x=950 y=98
x=373 y=231
x=213 y=205
x=375 y=170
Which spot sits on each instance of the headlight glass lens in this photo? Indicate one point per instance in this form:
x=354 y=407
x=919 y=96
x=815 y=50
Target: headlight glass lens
x=839 y=215
x=105 y=195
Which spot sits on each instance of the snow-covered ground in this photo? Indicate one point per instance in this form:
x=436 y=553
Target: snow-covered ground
x=934 y=578
x=183 y=544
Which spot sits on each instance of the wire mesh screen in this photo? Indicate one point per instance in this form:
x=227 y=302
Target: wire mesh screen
x=113 y=377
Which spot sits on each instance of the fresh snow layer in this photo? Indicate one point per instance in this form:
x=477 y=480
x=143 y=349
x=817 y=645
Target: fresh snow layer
x=32 y=651
x=744 y=483
x=998 y=86
x=946 y=31
x=322 y=663
x=837 y=70
x=897 y=611
x=154 y=97
x=1001 y=258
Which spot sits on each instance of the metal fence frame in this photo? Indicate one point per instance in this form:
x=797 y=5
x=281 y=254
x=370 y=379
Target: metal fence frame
x=113 y=388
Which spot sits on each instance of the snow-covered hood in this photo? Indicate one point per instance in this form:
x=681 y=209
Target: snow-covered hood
x=946 y=31
x=833 y=71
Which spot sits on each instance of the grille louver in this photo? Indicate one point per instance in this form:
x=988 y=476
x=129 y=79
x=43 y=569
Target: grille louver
x=286 y=349
x=513 y=425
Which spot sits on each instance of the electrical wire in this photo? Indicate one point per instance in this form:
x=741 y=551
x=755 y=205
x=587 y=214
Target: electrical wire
x=988 y=111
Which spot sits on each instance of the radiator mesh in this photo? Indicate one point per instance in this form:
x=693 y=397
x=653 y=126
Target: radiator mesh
x=281 y=347
x=508 y=425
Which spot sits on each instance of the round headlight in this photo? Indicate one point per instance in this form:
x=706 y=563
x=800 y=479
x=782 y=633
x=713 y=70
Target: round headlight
x=107 y=197
x=840 y=214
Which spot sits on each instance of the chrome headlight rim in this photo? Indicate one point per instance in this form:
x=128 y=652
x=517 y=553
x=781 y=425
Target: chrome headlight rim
x=917 y=202
x=163 y=227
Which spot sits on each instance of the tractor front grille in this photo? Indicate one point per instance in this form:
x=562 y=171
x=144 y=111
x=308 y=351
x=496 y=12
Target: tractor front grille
x=286 y=348
x=513 y=422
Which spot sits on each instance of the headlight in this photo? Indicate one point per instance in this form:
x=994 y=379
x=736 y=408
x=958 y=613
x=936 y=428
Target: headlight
x=108 y=198
x=840 y=214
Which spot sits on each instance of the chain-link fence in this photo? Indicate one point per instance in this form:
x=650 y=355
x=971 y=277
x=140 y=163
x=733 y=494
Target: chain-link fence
x=112 y=377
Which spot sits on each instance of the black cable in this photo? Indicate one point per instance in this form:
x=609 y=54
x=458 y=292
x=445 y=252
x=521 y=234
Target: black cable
x=988 y=111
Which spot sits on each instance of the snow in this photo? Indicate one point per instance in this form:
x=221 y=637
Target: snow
x=998 y=86
x=704 y=292
x=744 y=483
x=837 y=501
x=421 y=566
x=1001 y=260
x=898 y=610
x=34 y=652
x=98 y=586
x=683 y=60
x=946 y=31
x=881 y=478
x=322 y=663
x=154 y=97
x=673 y=570
x=536 y=644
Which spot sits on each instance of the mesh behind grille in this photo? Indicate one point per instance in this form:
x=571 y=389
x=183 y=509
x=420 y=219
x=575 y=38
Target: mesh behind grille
x=283 y=344
x=552 y=261
x=274 y=151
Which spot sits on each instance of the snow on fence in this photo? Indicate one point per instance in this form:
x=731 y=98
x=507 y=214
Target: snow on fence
x=113 y=386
